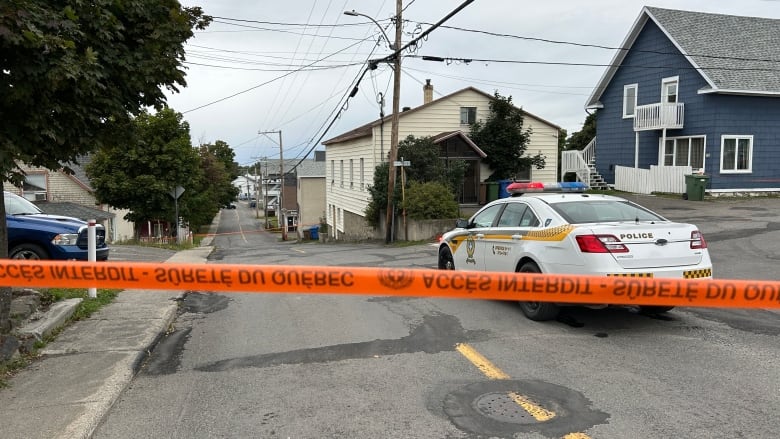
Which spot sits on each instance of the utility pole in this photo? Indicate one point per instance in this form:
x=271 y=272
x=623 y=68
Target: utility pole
x=265 y=193
x=280 y=211
x=394 y=124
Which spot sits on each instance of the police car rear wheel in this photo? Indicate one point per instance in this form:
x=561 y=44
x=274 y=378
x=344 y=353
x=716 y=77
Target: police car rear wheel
x=537 y=311
x=445 y=259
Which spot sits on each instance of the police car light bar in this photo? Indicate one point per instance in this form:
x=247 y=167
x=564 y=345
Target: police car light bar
x=519 y=188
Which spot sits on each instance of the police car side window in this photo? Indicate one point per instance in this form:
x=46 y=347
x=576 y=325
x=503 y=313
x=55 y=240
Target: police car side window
x=529 y=219
x=512 y=214
x=486 y=217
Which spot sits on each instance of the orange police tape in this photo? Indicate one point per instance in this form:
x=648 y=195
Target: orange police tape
x=392 y=282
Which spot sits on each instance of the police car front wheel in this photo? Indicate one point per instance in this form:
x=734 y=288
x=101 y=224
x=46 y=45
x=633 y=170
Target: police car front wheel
x=445 y=259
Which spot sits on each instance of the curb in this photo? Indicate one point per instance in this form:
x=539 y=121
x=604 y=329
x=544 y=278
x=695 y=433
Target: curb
x=53 y=319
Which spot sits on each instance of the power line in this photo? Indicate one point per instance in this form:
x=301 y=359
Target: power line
x=266 y=82
x=599 y=46
x=561 y=63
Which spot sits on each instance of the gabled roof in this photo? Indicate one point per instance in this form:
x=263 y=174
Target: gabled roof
x=366 y=130
x=74 y=210
x=448 y=135
x=734 y=55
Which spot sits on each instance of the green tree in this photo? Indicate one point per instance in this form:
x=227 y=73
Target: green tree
x=581 y=138
x=139 y=172
x=220 y=169
x=72 y=72
x=426 y=166
x=429 y=200
x=504 y=140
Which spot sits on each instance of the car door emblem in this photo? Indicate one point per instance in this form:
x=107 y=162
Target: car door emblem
x=470 y=246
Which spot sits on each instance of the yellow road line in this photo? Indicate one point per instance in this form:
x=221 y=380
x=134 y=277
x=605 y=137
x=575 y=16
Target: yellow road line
x=494 y=373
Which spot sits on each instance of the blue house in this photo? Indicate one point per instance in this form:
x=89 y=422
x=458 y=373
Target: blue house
x=691 y=89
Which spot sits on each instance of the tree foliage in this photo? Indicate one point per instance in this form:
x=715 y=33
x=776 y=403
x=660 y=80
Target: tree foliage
x=581 y=138
x=72 y=73
x=139 y=172
x=429 y=200
x=504 y=140
x=426 y=166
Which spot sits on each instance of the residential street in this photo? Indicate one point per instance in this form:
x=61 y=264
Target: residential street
x=308 y=366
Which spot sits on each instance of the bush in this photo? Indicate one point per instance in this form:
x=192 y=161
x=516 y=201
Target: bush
x=432 y=200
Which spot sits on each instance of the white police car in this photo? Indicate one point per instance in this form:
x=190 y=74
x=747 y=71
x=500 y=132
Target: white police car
x=558 y=228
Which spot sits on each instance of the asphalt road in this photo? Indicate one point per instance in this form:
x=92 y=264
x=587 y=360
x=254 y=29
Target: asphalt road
x=314 y=366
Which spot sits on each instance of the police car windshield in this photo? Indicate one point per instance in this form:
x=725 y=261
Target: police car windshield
x=16 y=205
x=600 y=211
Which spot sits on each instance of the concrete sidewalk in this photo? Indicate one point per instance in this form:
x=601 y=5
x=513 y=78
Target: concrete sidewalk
x=86 y=368
x=84 y=371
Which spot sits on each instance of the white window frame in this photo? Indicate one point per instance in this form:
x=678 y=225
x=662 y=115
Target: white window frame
x=469 y=111
x=665 y=82
x=662 y=150
x=362 y=174
x=626 y=101
x=736 y=138
x=332 y=172
x=341 y=173
x=351 y=173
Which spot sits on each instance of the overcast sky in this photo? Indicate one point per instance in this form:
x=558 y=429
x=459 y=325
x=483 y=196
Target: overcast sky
x=291 y=64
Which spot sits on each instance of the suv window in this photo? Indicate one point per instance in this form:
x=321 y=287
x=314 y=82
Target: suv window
x=16 y=205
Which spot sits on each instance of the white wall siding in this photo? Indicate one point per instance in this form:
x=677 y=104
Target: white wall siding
x=442 y=115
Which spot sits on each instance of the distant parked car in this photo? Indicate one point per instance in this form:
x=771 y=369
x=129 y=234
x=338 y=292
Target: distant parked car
x=33 y=234
x=253 y=204
x=229 y=206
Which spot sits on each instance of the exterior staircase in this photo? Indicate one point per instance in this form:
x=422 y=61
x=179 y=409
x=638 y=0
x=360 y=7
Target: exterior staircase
x=583 y=164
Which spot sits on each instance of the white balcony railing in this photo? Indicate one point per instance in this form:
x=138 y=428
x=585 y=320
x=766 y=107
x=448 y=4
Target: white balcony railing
x=659 y=116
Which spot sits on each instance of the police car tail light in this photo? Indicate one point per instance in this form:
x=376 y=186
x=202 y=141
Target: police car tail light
x=697 y=240
x=600 y=244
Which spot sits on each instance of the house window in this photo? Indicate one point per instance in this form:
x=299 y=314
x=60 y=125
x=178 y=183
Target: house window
x=669 y=90
x=684 y=151
x=351 y=174
x=34 y=187
x=736 y=154
x=341 y=173
x=362 y=175
x=468 y=115
x=332 y=172
x=629 y=100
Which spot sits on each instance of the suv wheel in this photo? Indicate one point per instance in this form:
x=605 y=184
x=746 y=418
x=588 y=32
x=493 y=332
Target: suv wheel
x=28 y=251
x=445 y=259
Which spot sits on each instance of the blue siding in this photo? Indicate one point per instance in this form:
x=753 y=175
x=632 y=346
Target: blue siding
x=654 y=57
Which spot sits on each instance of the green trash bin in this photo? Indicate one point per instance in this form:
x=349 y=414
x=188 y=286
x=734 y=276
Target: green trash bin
x=492 y=191
x=695 y=185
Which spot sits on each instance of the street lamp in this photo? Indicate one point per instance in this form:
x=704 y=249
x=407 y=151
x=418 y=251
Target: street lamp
x=396 y=104
x=353 y=13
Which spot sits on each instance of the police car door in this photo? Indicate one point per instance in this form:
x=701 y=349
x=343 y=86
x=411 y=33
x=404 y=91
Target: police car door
x=504 y=244
x=469 y=255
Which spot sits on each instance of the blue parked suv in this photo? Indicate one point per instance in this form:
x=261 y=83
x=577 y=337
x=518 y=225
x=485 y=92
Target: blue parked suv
x=33 y=234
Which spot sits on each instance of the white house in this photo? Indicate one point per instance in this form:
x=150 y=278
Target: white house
x=352 y=156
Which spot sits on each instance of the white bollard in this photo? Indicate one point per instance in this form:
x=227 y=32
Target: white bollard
x=92 y=251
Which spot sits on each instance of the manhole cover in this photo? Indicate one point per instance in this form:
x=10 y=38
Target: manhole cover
x=503 y=408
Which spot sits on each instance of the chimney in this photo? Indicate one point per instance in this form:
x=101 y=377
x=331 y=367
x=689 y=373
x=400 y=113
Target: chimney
x=427 y=92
